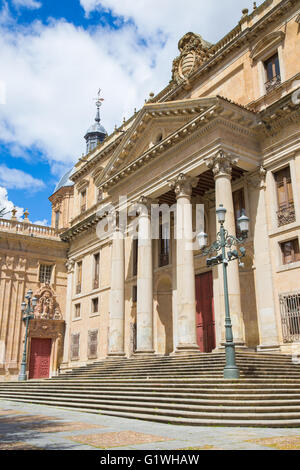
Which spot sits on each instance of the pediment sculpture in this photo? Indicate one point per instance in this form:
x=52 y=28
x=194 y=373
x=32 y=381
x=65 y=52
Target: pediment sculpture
x=47 y=307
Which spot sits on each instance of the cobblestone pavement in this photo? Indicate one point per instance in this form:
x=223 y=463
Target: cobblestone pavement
x=37 y=427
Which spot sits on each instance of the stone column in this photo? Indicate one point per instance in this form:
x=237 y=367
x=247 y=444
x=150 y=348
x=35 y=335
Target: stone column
x=144 y=279
x=70 y=264
x=185 y=272
x=268 y=334
x=117 y=292
x=221 y=165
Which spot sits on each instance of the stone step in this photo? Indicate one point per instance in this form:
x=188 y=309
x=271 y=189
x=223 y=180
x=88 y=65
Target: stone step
x=265 y=415
x=195 y=403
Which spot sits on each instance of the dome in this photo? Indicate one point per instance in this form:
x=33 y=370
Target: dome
x=65 y=181
x=96 y=128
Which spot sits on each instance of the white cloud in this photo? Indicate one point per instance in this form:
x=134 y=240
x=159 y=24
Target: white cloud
x=44 y=222
x=8 y=205
x=11 y=178
x=52 y=72
x=31 y=4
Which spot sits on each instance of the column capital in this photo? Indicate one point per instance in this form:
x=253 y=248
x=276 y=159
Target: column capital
x=183 y=185
x=143 y=205
x=221 y=163
x=117 y=221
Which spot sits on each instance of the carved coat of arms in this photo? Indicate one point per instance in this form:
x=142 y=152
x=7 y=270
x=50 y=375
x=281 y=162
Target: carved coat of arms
x=194 y=51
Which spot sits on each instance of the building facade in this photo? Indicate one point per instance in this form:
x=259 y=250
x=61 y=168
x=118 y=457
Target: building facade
x=32 y=257
x=225 y=130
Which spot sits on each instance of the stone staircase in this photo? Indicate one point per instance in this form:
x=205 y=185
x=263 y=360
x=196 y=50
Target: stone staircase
x=178 y=390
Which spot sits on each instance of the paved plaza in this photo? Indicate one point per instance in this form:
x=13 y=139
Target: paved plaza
x=38 y=427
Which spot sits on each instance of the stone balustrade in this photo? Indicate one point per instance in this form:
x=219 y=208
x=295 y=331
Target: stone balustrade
x=26 y=228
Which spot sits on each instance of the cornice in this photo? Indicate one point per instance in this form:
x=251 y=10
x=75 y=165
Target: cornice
x=278 y=115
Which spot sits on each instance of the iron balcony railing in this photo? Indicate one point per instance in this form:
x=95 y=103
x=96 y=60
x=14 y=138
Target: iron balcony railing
x=290 y=316
x=273 y=83
x=286 y=215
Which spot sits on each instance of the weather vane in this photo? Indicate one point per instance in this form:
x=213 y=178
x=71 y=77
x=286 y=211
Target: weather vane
x=99 y=100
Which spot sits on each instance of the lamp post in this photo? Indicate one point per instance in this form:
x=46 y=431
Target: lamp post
x=235 y=252
x=27 y=315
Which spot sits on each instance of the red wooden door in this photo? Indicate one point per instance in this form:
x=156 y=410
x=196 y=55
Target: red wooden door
x=40 y=352
x=205 y=317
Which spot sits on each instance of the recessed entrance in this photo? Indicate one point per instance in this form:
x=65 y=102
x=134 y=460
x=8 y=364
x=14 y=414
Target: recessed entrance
x=205 y=317
x=40 y=352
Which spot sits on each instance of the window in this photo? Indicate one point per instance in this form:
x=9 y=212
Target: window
x=95 y=305
x=290 y=251
x=272 y=69
x=77 y=311
x=83 y=201
x=285 y=200
x=238 y=207
x=96 y=271
x=290 y=316
x=134 y=256
x=134 y=294
x=92 y=344
x=45 y=273
x=164 y=245
x=75 y=346
x=57 y=219
x=78 y=277
x=100 y=195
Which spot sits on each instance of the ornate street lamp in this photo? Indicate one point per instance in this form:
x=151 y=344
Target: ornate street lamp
x=224 y=240
x=27 y=315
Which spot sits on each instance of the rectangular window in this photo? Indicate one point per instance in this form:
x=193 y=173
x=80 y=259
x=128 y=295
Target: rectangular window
x=238 y=206
x=290 y=316
x=92 y=344
x=290 y=251
x=96 y=271
x=79 y=277
x=77 y=311
x=134 y=256
x=99 y=195
x=95 y=305
x=45 y=273
x=272 y=69
x=57 y=219
x=286 y=210
x=164 y=245
x=83 y=201
x=134 y=294
x=75 y=346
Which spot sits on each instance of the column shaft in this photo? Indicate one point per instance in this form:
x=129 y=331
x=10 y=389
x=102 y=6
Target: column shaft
x=117 y=296
x=144 y=281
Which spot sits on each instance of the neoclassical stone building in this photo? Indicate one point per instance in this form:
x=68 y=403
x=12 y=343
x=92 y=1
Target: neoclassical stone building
x=225 y=130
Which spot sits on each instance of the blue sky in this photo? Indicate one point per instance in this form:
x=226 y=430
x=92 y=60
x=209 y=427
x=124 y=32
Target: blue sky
x=56 y=54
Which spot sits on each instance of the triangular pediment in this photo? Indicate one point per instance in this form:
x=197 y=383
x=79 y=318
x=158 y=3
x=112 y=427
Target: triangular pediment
x=153 y=124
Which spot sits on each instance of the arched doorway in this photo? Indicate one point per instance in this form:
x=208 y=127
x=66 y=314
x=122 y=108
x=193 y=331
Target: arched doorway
x=164 y=317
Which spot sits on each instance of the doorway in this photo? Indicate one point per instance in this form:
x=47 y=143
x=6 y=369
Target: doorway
x=205 y=316
x=40 y=352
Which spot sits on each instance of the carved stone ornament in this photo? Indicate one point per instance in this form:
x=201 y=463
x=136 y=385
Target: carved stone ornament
x=70 y=265
x=183 y=185
x=47 y=308
x=221 y=164
x=194 y=51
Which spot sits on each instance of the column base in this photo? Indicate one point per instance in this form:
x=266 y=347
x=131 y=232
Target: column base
x=268 y=347
x=186 y=349
x=116 y=354
x=147 y=353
